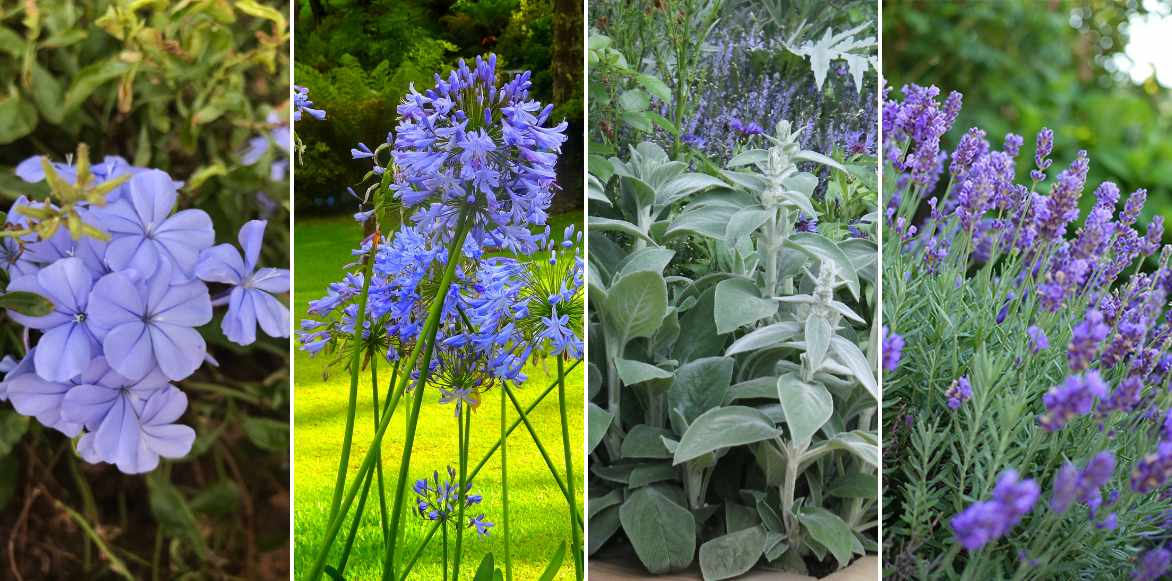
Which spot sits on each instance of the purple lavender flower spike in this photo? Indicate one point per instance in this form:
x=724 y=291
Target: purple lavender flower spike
x=151 y=324
x=1038 y=339
x=1153 y=565
x=892 y=349
x=1075 y=397
x=146 y=235
x=68 y=343
x=36 y=397
x=959 y=392
x=252 y=301
x=989 y=520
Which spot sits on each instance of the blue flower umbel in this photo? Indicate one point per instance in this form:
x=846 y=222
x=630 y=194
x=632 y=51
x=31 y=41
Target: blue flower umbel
x=439 y=501
x=472 y=142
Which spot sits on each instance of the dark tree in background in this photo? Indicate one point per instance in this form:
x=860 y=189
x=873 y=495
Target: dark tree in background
x=567 y=90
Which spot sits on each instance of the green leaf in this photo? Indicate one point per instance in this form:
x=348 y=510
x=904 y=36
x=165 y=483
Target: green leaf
x=634 y=100
x=646 y=474
x=645 y=442
x=603 y=526
x=806 y=407
x=599 y=422
x=637 y=121
x=699 y=386
x=685 y=185
x=271 y=435
x=748 y=157
x=600 y=224
x=655 y=86
x=18 y=118
x=829 y=530
x=739 y=303
x=485 y=570
x=26 y=303
x=47 y=94
x=850 y=354
x=744 y=223
x=172 y=513
x=653 y=259
x=817 y=337
x=219 y=499
x=855 y=485
x=632 y=372
x=635 y=305
x=662 y=532
x=733 y=554
x=90 y=78
x=857 y=443
x=708 y=220
x=824 y=249
x=765 y=337
x=724 y=427
x=12 y=428
x=555 y=563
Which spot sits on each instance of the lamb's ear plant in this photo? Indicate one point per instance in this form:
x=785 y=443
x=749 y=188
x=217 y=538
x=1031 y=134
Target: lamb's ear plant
x=1026 y=358
x=733 y=366
x=456 y=319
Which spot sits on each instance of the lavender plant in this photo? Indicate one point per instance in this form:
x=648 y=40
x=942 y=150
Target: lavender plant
x=733 y=390
x=1026 y=361
x=116 y=283
x=468 y=174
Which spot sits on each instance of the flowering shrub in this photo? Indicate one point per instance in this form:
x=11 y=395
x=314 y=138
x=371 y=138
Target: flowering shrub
x=1027 y=382
x=467 y=289
x=125 y=287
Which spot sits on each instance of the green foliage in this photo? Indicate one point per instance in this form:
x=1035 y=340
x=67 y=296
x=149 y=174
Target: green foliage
x=729 y=385
x=991 y=53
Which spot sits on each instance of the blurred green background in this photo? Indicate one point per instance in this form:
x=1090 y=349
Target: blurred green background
x=358 y=57
x=1084 y=68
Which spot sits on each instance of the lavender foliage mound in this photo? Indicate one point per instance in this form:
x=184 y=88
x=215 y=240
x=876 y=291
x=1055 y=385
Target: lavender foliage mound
x=1047 y=331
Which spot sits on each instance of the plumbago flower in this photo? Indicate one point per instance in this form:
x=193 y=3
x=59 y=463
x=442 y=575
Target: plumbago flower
x=1080 y=348
x=126 y=311
x=472 y=143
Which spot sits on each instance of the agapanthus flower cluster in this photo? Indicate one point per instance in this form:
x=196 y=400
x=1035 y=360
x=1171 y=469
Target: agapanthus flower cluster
x=302 y=104
x=474 y=144
x=126 y=312
x=440 y=501
x=989 y=520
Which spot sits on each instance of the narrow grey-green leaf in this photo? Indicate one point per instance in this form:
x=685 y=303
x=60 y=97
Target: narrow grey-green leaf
x=602 y=527
x=806 y=406
x=817 y=337
x=662 y=532
x=724 y=427
x=851 y=356
x=600 y=224
x=632 y=371
x=824 y=249
x=829 y=530
x=739 y=303
x=765 y=337
x=733 y=554
x=598 y=421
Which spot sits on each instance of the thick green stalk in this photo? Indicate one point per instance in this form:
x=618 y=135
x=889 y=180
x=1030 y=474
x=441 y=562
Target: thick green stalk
x=428 y=343
x=378 y=461
x=355 y=365
x=354 y=524
x=422 y=347
x=575 y=531
x=504 y=444
x=465 y=420
x=410 y=565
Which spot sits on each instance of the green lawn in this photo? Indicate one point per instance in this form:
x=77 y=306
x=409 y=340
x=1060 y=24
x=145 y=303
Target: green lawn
x=538 y=516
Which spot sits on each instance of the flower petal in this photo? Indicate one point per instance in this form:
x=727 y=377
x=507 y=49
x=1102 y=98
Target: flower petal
x=239 y=324
x=29 y=283
x=33 y=396
x=221 y=263
x=251 y=237
x=274 y=280
x=67 y=283
x=186 y=305
x=129 y=350
x=153 y=194
x=271 y=314
x=133 y=251
x=64 y=352
x=89 y=404
x=115 y=300
x=178 y=350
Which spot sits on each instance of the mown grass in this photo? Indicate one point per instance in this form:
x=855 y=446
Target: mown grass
x=537 y=511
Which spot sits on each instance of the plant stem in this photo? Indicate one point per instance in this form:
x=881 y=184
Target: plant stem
x=378 y=462
x=427 y=337
x=575 y=532
x=545 y=456
x=465 y=419
x=445 y=525
x=355 y=367
x=504 y=445
x=427 y=342
x=355 y=523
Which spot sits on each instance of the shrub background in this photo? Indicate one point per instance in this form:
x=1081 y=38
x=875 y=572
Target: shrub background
x=358 y=58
